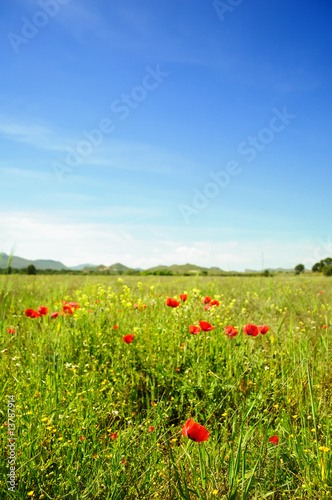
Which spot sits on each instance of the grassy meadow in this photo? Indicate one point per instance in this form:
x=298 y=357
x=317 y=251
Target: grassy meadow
x=99 y=418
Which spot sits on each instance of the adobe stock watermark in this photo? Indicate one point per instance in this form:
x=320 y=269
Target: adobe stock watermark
x=224 y=6
x=248 y=148
x=31 y=27
x=122 y=106
x=11 y=446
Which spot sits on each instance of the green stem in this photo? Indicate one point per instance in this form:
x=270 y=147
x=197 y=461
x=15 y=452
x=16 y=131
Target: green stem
x=202 y=467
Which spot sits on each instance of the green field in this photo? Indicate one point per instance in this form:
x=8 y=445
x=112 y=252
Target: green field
x=85 y=399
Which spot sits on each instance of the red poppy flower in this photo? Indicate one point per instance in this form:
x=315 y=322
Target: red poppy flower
x=172 y=302
x=123 y=461
x=128 y=338
x=43 y=310
x=116 y=327
x=325 y=326
x=195 y=431
x=183 y=297
x=274 y=440
x=151 y=428
x=74 y=305
x=66 y=309
x=231 y=332
x=206 y=300
x=205 y=326
x=81 y=438
x=215 y=303
x=207 y=307
x=11 y=330
x=263 y=329
x=194 y=329
x=31 y=313
x=251 y=330
x=54 y=315
x=114 y=435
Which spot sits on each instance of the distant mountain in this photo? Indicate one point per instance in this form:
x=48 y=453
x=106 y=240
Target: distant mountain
x=118 y=267
x=187 y=269
x=82 y=266
x=20 y=263
x=271 y=270
x=114 y=268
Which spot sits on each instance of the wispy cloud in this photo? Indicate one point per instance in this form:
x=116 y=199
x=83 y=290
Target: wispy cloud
x=25 y=174
x=139 y=156
x=38 y=136
x=112 y=153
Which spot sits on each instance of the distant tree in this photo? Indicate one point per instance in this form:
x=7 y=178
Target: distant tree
x=327 y=270
x=9 y=270
x=319 y=266
x=31 y=269
x=299 y=269
x=266 y=273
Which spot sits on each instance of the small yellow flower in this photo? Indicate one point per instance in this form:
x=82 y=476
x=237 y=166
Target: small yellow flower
x=30 y=493
x=44 y=419
x=49 y=428
x=215 y=492
x=60 y=439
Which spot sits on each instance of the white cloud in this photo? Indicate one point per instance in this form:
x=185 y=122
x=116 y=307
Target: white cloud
x=60 y=237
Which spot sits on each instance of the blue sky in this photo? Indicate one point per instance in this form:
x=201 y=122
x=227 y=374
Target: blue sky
x=116 y=116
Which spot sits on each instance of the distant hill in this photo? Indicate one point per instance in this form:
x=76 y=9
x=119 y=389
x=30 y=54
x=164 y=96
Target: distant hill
x=41 y=264
x=271 y=270
x=187 y=269
x=82 y=266
x=114 y=268
x=118 y=267
x=20 y=263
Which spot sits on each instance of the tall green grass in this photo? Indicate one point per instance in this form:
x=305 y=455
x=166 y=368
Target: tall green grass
x=77 y=383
